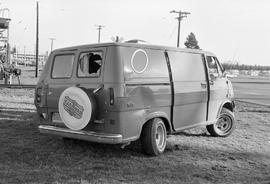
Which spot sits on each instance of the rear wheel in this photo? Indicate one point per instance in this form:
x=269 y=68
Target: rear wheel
x=224 y=125
x=154 y=137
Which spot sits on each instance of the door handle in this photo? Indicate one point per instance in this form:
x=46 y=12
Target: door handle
x=203 y=85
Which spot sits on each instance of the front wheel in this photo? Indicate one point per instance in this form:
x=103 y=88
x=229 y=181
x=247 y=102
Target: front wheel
x=224 y=125
x=153 y=137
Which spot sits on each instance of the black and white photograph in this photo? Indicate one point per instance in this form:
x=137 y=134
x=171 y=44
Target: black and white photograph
x=126 y=92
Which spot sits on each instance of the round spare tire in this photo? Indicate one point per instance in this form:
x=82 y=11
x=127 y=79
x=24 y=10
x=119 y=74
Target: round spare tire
x=76 y=107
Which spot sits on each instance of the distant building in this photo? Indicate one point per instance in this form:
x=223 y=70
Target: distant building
x=233 y=73
x=28 y=59
x=264 y=73
x=244 y=72
x=254 y=72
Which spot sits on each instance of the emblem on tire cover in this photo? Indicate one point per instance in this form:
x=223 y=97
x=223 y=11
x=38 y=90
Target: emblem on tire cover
x=73 y=108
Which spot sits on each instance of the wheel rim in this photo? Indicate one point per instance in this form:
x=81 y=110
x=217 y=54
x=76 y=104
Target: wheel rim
x=160 y=136
x=224 y=124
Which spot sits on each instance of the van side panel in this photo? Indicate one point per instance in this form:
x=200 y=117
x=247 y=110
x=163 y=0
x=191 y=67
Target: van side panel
x=190 y=89
x=147 y=88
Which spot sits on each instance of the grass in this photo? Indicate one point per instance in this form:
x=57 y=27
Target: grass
x=192 y=156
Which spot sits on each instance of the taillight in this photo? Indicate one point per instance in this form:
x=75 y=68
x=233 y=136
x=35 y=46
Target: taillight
x=38 y=95
x=111 y=96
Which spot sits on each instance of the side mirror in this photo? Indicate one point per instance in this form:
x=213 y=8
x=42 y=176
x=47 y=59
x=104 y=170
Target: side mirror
x=213 y=76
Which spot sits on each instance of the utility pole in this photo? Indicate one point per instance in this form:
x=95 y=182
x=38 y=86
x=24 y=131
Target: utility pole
x=52 y=39
x=99 y=27
x=181 y=15
x=36 y=75
x=24 y=58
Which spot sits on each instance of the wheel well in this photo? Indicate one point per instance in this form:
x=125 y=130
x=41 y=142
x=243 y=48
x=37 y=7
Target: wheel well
x=228 y=106
x=166 y=122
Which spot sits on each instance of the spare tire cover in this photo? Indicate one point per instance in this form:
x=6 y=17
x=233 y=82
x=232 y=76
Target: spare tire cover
x=76 y=107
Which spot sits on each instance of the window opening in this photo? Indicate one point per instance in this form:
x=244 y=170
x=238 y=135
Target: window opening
x=90 y=64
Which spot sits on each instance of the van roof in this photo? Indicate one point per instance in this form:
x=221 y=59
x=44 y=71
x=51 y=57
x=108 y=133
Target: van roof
x=134 y=45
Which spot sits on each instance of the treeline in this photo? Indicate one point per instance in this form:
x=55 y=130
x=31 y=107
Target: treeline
x=237 y=66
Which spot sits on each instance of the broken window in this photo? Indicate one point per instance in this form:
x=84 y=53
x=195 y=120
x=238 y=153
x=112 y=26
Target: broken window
x=90 y=64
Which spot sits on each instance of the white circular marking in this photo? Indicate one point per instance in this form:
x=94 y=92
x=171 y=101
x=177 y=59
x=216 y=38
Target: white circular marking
x=75 y=108
x=132 y=61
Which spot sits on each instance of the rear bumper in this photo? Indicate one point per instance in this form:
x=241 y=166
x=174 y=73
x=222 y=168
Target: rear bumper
x=83 y=135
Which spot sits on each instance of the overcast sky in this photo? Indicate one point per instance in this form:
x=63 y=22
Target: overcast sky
x=235 y=30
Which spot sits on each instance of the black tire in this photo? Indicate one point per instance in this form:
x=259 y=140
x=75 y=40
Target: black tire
x=224 y=126
x=153 y=137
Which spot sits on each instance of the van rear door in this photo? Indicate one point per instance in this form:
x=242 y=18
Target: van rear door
x=61 y=77
x=80 y=69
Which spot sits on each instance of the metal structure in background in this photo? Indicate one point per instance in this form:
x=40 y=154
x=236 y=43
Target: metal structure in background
x=4 y=45
x=7 y=69
x=181 y=15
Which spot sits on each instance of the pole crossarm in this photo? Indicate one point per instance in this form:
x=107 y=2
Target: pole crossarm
x=99 y=27
x=52 y=39
x=181 y=15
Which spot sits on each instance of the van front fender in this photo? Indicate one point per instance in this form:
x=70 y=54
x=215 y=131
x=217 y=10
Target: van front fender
x=228 y=104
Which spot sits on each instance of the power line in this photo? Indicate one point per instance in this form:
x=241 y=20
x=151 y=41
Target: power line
x=99 y=27
x=180 y=17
